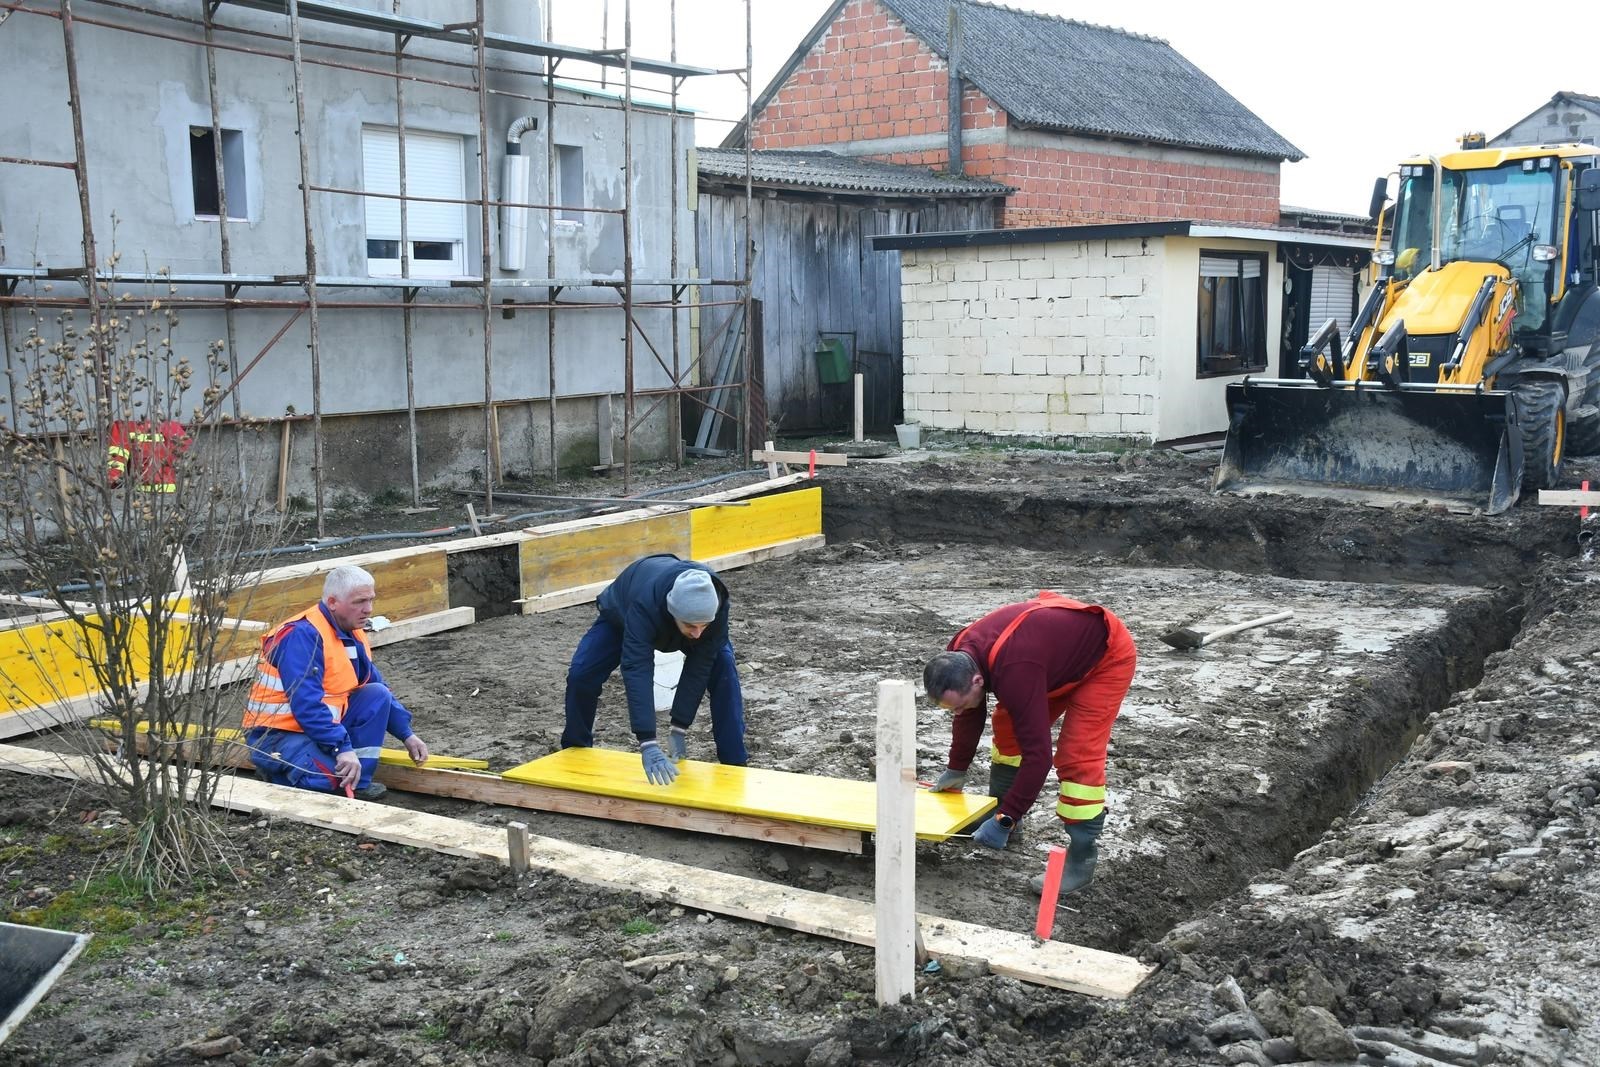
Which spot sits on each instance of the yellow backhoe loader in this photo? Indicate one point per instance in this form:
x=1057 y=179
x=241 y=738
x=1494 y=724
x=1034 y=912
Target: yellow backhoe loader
x=1473 y=365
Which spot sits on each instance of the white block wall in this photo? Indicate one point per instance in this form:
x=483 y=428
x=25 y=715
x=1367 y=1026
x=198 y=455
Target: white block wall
x=1058 y=338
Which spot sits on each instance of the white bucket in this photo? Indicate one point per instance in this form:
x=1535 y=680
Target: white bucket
x=909 y=435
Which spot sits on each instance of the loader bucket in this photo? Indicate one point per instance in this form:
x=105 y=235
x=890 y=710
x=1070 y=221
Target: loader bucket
x=1417 y=443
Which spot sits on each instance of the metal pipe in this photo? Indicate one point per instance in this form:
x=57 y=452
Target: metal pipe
x=311 y=262
x=675 y=411
x=407 y=313
x=220 y=164
x=627 y=242
x=38 y=162
x=742 y=447
x=550 y=227
x=490 y=445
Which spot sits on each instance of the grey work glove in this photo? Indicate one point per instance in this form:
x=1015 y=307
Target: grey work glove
x=678 y=743
x=949 y=782
x=657 y=767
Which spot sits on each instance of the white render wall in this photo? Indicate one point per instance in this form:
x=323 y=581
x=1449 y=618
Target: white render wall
x=1058 y=338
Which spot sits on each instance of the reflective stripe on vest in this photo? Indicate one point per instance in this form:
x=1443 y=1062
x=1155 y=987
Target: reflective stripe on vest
x=268 y=702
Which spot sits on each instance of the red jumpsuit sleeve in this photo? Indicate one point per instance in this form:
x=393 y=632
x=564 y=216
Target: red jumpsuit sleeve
x=1021 y=689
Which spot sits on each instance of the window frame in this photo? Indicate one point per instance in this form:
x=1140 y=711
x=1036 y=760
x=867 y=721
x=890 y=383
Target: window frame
x=570 y=211
x=235 y=175
x=429 y=267
x=1247 y=363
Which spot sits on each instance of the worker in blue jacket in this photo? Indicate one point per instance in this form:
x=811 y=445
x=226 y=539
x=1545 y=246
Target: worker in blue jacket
x=660 y=603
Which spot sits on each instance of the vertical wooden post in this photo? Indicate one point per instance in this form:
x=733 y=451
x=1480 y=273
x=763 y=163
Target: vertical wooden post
x=772 y=464
x=517 y=846
x=284 y=445
x=861 y=396
x=895 y=902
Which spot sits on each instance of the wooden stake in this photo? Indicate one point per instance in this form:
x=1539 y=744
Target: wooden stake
x=895 y=894
x=285 y=444
x=861 y=401
x=772 y=464
x=472 y=520
x=518 y=841
x=496 y=468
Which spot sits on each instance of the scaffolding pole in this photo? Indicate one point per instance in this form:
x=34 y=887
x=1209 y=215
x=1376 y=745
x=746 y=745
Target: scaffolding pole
x=311 y=264
x=219 y=163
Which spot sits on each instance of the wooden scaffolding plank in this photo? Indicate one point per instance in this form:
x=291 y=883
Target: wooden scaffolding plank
x=755 y=791
x=1018 y=955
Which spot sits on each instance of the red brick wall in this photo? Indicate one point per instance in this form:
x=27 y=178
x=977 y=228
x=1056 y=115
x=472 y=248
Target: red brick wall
x=1060 y=186
x=868 y=78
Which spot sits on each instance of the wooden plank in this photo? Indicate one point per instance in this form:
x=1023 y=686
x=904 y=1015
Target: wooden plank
x=768 y=521
x=823 y=459
x=894 y=893
x=1050 y=963
x=407 y=587
x=423 y=625
x=567 y=558
x=1570 y=497
x=756 y=791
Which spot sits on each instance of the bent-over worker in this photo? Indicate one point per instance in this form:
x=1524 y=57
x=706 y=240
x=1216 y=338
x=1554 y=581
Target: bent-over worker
x=1046 y=659
x=666 y=604
x=319 y=709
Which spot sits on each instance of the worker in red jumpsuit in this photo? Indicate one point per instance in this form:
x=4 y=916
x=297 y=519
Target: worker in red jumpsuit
x=150 y=450
x=1046 y=660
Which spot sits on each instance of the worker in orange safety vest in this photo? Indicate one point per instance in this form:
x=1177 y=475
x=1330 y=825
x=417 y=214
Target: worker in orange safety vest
x=1046 y=660
x=319 y=709
x=151 y=450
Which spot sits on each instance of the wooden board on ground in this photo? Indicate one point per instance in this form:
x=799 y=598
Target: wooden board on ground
x=754 y=791
x=824 y=459
x=1018 y=955
x=1570 y=497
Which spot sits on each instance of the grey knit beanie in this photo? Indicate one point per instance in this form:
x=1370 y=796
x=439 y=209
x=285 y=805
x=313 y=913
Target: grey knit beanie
x=693 y=598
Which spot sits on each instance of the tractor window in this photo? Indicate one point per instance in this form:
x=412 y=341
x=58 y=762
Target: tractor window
x=1498 y=216
x=1413 y=221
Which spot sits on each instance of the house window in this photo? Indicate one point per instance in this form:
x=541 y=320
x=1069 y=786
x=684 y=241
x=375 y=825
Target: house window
x=569 y=181
x=437 y=231
x=203 y=173
x=1233 y=312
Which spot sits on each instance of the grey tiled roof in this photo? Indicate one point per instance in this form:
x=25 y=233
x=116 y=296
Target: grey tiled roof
x=829 y=170
x=1059 y=74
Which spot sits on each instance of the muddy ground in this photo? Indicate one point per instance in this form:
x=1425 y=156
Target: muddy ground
x=1363 y=835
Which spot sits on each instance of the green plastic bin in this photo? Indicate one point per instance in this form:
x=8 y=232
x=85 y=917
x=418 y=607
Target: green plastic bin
x=833 y=362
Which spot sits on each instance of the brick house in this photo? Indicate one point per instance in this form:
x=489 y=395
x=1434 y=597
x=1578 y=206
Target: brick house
x=1086 y=122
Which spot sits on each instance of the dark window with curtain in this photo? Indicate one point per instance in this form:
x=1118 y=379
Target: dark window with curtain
x=1233 y=312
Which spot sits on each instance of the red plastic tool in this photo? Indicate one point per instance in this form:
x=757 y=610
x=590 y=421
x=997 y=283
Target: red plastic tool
x=1053 y=868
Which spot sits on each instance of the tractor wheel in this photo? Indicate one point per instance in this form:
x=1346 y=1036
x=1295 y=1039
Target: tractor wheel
x=1543 y=424
x=1583 y=435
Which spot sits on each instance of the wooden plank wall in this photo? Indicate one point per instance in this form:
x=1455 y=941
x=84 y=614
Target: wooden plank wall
x=815 y=271
x=770 y=520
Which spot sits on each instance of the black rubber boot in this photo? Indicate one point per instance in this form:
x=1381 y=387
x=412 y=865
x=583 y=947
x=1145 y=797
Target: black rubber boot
x=1082 y=854
x=1001 y=775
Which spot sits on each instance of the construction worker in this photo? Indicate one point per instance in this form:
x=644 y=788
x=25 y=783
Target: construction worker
x=319 y=709
x=1046 y=659
x=660 y=603
x=150 y=449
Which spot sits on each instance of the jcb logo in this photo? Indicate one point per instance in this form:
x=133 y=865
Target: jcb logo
x=1419 y=359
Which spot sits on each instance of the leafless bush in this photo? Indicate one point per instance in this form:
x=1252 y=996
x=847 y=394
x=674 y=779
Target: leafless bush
x=120 y=598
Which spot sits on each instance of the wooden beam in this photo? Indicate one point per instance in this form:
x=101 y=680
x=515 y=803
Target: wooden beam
x=895 y=860
x=423 y=625
x=1051 y=963
x=861 y=407
x=1570 y=497
x=823 y=459
x=518 y=843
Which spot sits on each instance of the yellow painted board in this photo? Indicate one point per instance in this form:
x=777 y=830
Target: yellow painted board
x=49 y=662
x=397 y=756
x=406 y=587
x=768 y=520
x=562 y=559
x=802 y=798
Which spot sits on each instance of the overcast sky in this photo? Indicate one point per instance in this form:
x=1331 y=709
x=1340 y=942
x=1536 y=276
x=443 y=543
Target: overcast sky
x=1355 y=87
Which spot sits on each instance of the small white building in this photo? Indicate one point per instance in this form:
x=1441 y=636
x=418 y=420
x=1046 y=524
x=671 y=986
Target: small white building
x=1128 y=330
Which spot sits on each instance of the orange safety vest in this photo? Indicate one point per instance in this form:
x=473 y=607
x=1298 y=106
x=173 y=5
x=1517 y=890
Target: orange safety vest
x=268 y=703
x=1045 y=599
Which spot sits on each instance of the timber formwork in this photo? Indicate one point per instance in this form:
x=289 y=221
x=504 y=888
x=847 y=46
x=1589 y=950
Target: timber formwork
x=409 y=294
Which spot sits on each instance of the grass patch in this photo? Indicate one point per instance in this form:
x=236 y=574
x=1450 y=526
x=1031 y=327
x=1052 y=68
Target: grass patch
x=637 y=927
x=110 y=906
x=434 y=1031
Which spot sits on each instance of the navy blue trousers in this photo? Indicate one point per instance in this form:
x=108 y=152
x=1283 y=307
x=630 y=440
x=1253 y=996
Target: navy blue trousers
x=600 y=653
x=288 y=757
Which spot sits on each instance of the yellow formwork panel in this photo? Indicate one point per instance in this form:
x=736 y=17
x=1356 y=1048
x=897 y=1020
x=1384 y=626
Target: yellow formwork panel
x=797 y=798
x=395 y=756
x=565 y=559
x=768 y=520
x=48 y=662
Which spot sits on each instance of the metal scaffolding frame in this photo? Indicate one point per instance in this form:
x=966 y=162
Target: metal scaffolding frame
x=411 y=292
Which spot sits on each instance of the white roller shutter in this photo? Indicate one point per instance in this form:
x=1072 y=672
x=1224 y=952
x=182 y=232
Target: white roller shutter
x=1220 y=267
x=1333 y=291
x=434 y=167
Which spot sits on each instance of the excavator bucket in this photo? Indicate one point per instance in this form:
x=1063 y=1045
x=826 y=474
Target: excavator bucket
x=1361 y=440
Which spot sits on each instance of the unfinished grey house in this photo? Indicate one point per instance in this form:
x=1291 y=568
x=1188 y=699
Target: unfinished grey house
x=358 y=316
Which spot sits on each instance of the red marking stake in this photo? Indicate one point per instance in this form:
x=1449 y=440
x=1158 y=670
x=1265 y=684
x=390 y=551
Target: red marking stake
x=1583 y=509
x=811 y=471
x=1053 y=868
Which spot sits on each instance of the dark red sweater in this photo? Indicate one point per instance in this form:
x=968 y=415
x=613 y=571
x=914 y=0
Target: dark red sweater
x=1051 y=648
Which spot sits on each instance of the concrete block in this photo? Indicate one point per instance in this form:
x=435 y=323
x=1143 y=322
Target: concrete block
x=1077 y=345
x=1127 y=404
x=961 y=366
x=1028 y=345
x=963 y=290
x=1058 y=288
x=1031 y=365
x=1062 y=365
x=1022 y=289
x=990 y=253
x=994 y=327
x=949 y=309
x=1037 y=268
x=983 y=420
x=1031 y=402
x=1105 y=424
x=1067 y=422
x=965 y=326
x=944 y=272
x=1031 y=422
x=1003 y=270
x=995 y=363
x=971 y=271
x=1005 y=422
x=1083 y=399
x=1125 y=285
x=937 y=363
x=933 y=328
x=1122 y=366
x=910 y=273
x=1121 y=326
x=1092 y=325
x=1091 y=287
x=1029 y=251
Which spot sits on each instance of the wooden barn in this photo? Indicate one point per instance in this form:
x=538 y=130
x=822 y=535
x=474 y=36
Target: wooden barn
x=829 y=305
